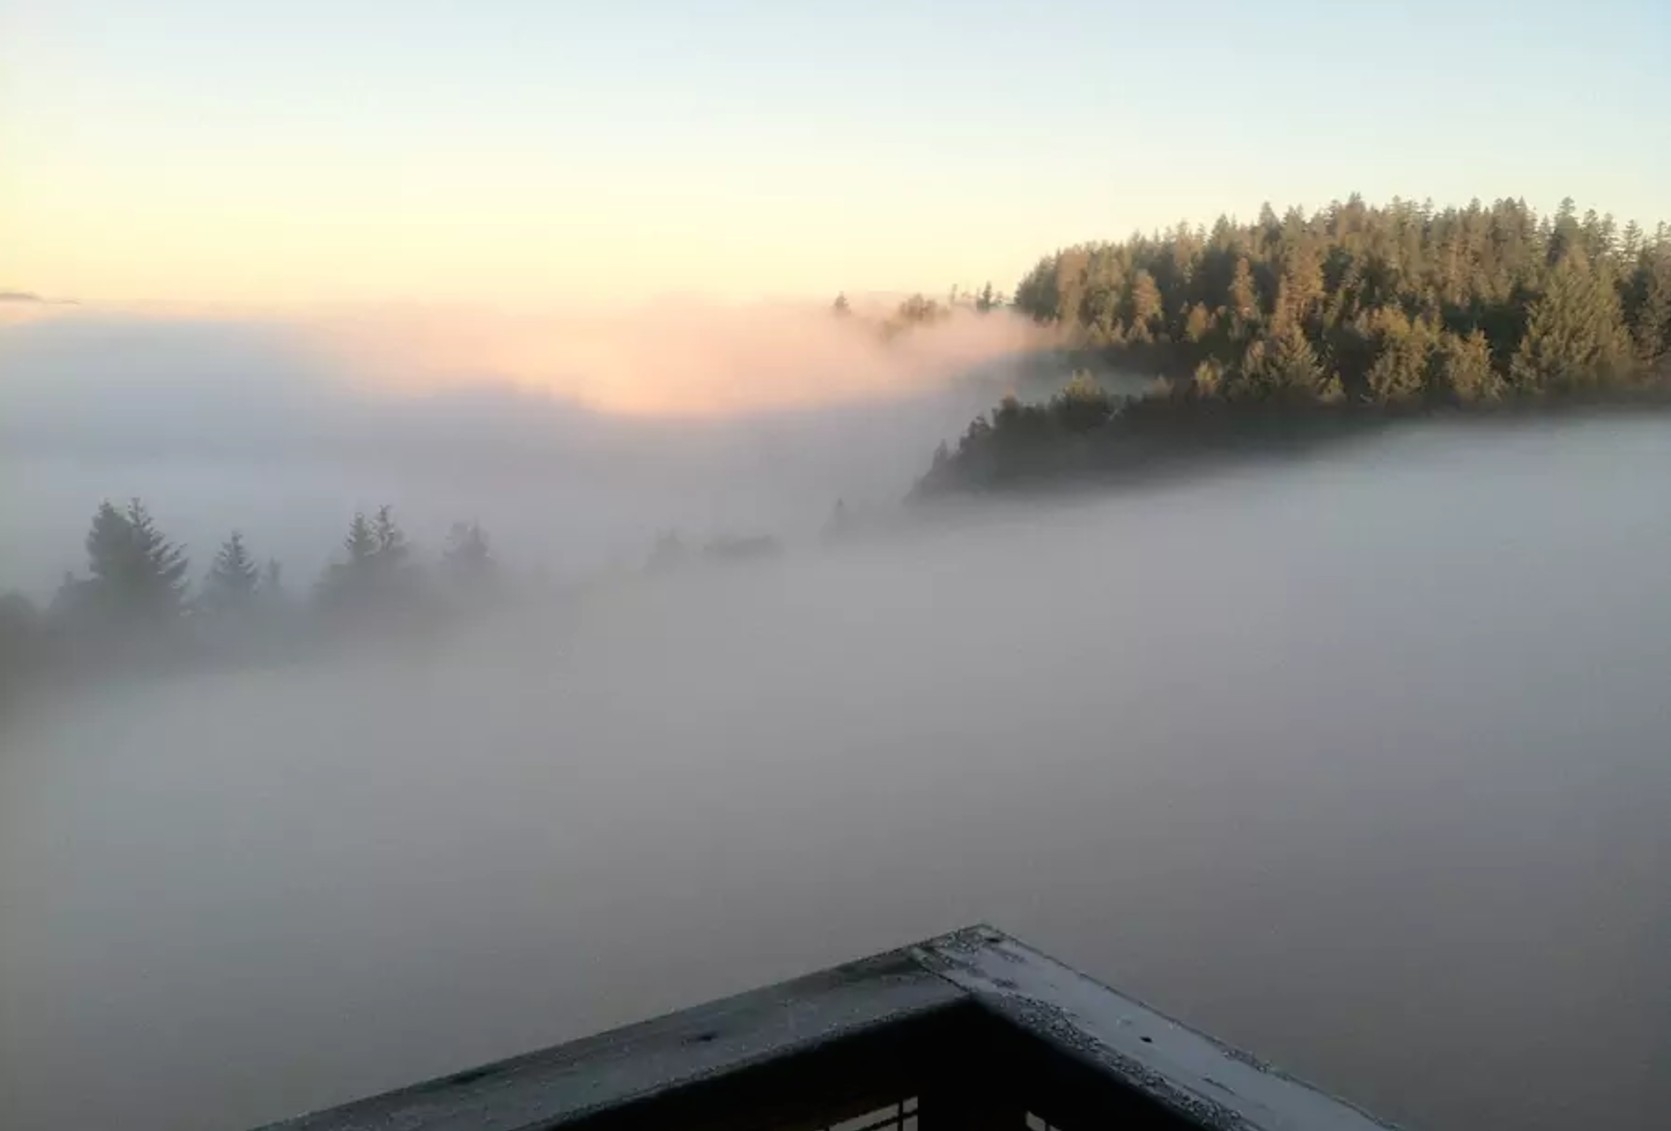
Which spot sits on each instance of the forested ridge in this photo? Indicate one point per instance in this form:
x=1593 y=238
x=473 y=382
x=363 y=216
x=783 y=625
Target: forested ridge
x=1285 y=331
x=1302 y=326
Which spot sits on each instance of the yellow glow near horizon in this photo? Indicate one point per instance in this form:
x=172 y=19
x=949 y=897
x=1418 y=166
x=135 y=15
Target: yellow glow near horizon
x=266 y=230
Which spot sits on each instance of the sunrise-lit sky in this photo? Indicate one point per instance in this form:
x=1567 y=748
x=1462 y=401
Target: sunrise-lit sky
x=518 y=150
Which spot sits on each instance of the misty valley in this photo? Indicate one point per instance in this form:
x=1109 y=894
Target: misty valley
x=1288 y=647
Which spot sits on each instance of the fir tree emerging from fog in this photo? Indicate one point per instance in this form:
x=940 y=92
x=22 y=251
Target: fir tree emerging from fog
x=374 y=573
x=468 y=563
x=233 y=580
x=390 y=551
x=137 y=573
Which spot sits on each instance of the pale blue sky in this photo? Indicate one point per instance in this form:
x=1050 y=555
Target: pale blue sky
x=510 y=150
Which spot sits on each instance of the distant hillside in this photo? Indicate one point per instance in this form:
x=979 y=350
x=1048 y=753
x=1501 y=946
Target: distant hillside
x=1305 y=325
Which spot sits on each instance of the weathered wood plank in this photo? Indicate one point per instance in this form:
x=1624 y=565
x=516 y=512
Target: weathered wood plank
x=1209 y=1083
x=570 y=1081
x=946 y=992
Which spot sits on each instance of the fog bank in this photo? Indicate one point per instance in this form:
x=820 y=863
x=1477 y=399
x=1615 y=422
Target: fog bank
x=573 y=436
x=1358 y=762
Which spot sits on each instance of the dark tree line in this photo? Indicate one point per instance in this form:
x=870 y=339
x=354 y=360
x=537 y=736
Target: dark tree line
x=135 y=604
x=1351 y=314
x=135 y=609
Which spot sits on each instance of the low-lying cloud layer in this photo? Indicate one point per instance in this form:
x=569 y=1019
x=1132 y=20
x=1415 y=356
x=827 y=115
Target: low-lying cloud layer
x=1358 y=762
x=573 y=435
